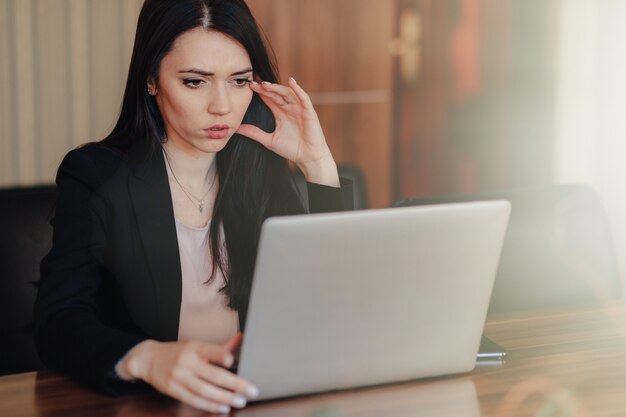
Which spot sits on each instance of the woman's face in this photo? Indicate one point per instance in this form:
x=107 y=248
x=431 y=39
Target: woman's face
x=202 y=90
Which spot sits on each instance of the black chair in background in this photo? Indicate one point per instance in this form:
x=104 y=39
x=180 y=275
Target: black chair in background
x=349 y=172
x=25 y=238
x=558 y=249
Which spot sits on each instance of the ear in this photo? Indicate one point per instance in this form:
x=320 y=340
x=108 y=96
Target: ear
x=152 y=87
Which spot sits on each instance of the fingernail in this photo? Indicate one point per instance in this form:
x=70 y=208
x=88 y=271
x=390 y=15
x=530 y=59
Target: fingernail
x=223 y=409
x=252 y=392
x=255 y=83
x=228 y=362
x=238 y=401
x=266 y=83
x=293 y=79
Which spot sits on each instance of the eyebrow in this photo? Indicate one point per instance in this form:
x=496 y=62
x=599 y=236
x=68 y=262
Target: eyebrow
x=207 y=74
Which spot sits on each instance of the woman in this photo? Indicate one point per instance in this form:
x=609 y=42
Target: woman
x=157 y=226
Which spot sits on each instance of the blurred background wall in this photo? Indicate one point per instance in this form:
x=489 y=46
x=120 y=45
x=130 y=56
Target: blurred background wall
x=63 y=65
x=425 y=96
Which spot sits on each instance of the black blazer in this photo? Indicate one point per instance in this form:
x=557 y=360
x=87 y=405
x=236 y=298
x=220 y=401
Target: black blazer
x=112 y=278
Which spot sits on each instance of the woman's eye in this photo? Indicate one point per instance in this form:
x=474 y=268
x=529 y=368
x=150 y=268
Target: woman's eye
x=193 y=83
x=242 y=82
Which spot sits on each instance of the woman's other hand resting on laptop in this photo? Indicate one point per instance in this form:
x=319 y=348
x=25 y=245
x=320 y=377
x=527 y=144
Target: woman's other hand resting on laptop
x=194 y=372
x=157 y=226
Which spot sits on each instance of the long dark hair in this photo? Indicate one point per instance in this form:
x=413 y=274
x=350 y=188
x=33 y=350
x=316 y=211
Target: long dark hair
x=254 y=182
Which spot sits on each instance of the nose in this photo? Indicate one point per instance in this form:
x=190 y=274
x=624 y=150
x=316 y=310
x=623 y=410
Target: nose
x=220 y=101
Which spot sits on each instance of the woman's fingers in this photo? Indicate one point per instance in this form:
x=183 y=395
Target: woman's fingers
x=286 y=93
x=216 y=354
x=282 y=95
x=180 y=392
x=225 y=379
x=268 y=95
x=194 y=373
x=214 y=393
x=202 y=384
x=301 y=94
x=256 y=133
x=220 y=376
x=233 y=343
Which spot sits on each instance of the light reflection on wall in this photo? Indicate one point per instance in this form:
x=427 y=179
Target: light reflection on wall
x=591 y=105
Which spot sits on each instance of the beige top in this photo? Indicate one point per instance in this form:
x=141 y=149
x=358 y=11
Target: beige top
x=204 y=314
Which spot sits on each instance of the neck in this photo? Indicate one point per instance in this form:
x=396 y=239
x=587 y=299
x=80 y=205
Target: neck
x=194 y=171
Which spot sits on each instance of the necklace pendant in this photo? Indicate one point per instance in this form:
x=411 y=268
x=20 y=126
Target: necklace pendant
x=201 y=206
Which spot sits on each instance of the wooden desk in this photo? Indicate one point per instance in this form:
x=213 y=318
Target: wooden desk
x=559 y=364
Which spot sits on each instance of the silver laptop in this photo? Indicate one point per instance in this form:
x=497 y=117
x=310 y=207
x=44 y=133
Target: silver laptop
x=351 y=299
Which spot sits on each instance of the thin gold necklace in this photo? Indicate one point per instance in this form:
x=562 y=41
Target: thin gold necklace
x=198 y=201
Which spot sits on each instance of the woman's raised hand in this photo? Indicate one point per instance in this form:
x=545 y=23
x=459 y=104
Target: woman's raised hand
x=192 y=372
x=298 y=135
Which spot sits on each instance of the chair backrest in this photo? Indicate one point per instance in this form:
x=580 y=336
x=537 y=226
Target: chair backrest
x=350 y=172
x=25 y=238
x=558 y=250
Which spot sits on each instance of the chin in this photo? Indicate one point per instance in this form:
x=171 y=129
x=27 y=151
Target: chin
x=212 y=145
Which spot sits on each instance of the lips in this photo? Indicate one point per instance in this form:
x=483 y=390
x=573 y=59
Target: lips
x=217 y=131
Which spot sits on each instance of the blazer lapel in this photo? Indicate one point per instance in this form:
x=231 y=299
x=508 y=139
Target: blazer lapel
x=152 y=203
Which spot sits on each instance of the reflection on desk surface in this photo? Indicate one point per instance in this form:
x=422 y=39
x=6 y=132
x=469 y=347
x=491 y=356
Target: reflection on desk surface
x=450 y=398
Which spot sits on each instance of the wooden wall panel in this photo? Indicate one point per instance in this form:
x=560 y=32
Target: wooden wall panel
x=338 y=51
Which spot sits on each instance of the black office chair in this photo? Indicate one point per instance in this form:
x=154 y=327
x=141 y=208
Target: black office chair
x=558 y=249
x=350 y=172
x=25 y=238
